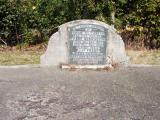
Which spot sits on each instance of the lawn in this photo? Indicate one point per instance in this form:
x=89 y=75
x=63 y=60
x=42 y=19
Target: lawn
x=14 y=56
x=19 y=57
x=144 y=57
x=32 y=56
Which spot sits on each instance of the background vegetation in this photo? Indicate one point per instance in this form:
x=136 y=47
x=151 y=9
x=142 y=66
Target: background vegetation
x=33 y=21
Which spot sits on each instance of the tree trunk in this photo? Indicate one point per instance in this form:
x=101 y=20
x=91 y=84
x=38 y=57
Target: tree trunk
x=113 y=17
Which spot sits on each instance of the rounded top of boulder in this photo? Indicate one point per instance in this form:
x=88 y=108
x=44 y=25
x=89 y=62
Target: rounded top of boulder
x=88 y=21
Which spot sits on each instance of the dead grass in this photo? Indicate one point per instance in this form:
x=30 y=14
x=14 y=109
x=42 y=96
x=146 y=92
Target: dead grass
x=32 y=56
x=144 y=57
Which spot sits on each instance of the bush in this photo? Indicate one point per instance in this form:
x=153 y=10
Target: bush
x=32 y=22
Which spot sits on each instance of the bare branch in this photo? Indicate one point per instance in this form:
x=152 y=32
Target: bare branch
x=3 y=41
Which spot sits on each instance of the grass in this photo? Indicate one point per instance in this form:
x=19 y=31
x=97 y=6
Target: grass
x=25 y=55
x=144 y=57
x=32 y=56
x=19 y=57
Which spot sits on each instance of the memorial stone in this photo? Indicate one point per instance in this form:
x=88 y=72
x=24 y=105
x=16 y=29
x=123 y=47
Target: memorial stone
x=85 y=42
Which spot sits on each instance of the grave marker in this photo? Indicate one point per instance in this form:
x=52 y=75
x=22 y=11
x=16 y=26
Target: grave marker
x=85 y=43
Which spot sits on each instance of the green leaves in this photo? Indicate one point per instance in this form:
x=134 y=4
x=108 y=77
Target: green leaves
x=19 y=18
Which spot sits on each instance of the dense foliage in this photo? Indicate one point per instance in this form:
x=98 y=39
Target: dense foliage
x=33 y=21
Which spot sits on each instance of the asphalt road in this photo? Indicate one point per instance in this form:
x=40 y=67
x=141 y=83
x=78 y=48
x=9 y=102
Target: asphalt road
x=52 y=94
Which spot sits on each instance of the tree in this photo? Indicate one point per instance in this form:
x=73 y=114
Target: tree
x=146 y=15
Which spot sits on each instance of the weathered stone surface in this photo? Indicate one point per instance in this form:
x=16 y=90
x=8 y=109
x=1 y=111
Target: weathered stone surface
x=85 y=42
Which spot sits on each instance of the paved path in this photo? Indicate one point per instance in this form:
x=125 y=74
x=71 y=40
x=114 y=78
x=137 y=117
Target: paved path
x=52 y=94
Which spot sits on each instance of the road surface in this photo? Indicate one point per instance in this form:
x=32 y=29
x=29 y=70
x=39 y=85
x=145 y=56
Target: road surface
x=52 y=94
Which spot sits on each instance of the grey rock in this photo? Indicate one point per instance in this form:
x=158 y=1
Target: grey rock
x=59 y=49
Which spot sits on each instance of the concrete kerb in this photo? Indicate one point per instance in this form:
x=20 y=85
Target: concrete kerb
x=47 y=66
x=22 y=66
x=142 y=65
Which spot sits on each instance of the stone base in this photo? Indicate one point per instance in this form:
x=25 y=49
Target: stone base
x=94 y=67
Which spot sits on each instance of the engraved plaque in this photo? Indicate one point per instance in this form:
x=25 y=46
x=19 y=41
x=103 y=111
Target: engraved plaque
x=87 y=44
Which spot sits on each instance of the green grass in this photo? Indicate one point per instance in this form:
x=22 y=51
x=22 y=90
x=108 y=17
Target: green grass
x=17 y=57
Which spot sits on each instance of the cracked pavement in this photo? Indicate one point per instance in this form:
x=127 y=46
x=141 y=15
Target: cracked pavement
x=52 y=94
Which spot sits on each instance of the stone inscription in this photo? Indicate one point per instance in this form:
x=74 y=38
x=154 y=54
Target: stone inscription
x=87 y=44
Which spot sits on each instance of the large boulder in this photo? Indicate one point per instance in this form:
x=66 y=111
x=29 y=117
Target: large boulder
x=85 y=42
